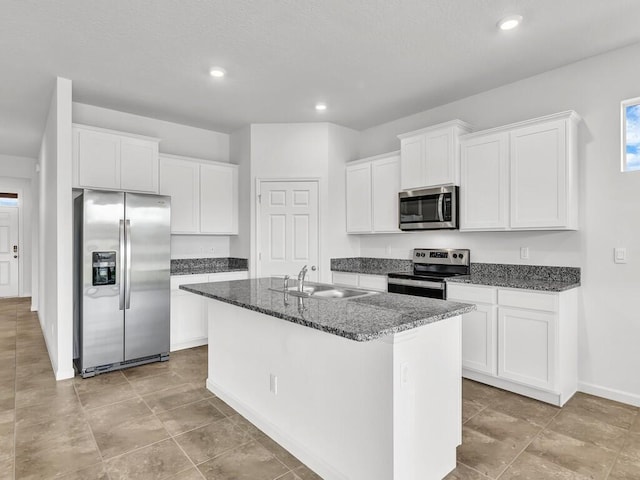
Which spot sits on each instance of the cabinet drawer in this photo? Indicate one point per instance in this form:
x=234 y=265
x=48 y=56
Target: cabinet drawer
x=474 y=294
x=373 y=282
x=531 y=300
x=177 y=280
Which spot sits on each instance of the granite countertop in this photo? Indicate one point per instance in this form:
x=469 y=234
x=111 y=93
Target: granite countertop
x=360 y=319
x=196 y=266
x=528 y=277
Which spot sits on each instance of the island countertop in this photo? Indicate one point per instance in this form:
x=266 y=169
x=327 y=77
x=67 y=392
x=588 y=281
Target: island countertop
x=359 y=318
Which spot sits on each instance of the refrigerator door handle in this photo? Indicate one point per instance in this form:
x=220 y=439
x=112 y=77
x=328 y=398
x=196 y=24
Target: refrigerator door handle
x=128 y=265
x=122 y=283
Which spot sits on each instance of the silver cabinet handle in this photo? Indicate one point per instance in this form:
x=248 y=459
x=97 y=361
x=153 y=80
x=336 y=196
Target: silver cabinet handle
x=127 y=236
x=122 y=263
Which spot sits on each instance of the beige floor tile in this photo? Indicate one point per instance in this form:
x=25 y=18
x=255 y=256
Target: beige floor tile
x=222 y=406
x=64 y=457
x=532 y=467
x=635 y=427
x=605 y=410
x=304 y=473
x=6 y=469
x=57 y=406
x=247 y=461
x=174 y=397
x=45 y=395
x=107 y=395
x=245 y=424
x=482 y=394
x=94 y=472
x=533 y=411
x=514 y=431
x=632 y=446
x=462 y=472
x=588 y=429
x=573 y=454
x=190 y=416
x=625 y=468
x=470 y=408
x=86 y=385
x=48 y=433
x=157 y=461
x=130 y=435
x=485 y=454
x=211 y=440
x=145 y=386
x=280 y=453
x=7 y=425
x=191 y=474
x=102 y=418
x=148 y=370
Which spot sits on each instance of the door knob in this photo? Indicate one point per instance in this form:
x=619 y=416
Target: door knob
x=15 y=256
x=313 y=268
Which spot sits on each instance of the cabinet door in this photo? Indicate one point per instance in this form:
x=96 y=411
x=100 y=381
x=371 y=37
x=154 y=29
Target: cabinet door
x=188 y=320
x=479 y=350
x=484 y=183
x=138 y=165
x=359 y=208
x=346 y=279
x=218 y=199
x=539 y=176
x=526 y=346
x=439 y=166
x=412 y=157
x=98 y=159
x=385 y=179
x=181 y=181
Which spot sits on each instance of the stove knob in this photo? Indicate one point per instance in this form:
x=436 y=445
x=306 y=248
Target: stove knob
x=455 y=255
x=460 y=256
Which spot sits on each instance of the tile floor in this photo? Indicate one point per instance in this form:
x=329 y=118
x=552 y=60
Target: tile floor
x=158 y=422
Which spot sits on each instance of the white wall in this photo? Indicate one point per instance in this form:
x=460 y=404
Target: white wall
x=16 y=175
x=306 y=151
x=199 y=246
x=55 y=309
x=609 y=328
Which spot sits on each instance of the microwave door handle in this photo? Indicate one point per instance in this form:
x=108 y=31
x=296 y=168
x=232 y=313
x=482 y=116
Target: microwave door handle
x=441 y=207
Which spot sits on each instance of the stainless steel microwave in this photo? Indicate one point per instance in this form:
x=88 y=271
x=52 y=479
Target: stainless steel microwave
x=429 y=208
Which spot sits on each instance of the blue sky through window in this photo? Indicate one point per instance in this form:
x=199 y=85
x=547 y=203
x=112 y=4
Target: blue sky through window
x=632 y=137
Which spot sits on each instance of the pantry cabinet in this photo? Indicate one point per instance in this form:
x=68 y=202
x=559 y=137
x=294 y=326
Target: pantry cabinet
x=204 y=195
x=372 y=187
x=107 y=159
x=520 y=340
x=189 y=327
x=521 y=176
x=430 y=156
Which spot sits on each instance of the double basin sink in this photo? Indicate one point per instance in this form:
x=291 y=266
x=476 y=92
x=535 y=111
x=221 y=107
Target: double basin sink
x=323 y=290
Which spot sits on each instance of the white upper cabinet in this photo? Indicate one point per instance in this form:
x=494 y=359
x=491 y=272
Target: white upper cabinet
x=204 y=195
x=430 y=156
x=114 y=160
x=372 y=186
x=522 y=176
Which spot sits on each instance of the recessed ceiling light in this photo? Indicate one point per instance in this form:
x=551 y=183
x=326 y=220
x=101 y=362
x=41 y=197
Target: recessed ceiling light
x=321 y=107
x=510 y=22
x=217 y=72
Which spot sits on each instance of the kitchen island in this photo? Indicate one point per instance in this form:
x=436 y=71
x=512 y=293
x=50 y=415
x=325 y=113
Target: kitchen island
x=360 y=388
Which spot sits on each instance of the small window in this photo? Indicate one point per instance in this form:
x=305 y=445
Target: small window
x=8 y=199
x=631 y=135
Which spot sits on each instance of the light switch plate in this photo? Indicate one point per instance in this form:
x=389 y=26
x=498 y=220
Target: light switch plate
x=620 y=255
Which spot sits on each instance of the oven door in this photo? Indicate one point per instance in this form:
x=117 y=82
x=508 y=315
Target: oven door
x=419 y=288
x=429 y=209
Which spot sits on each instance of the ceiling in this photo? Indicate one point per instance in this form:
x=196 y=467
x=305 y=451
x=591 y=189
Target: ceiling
x=371 y=61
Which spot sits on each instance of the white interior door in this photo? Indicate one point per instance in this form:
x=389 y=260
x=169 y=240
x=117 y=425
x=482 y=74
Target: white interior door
x=8 y=252
x=288 y=228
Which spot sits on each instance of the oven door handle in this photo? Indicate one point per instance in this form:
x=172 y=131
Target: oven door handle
x=416 y=283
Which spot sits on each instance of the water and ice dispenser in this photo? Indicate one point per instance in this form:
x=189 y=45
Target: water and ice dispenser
x=104 y=268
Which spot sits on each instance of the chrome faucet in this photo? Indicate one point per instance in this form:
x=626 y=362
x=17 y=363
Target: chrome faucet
x=301 y=275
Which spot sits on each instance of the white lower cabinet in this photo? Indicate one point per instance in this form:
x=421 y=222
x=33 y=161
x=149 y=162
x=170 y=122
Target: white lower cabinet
x=360 y=280
x=520 y=340
x=189 y=311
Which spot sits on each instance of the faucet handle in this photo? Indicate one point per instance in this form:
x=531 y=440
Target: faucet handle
x=286 y=282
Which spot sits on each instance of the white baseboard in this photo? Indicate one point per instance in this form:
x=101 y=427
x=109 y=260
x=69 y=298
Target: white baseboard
x=198 y=342
x=306 y=456
x=609 y=393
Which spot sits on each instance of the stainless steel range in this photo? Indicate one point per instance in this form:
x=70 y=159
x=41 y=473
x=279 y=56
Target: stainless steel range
x=431 y=267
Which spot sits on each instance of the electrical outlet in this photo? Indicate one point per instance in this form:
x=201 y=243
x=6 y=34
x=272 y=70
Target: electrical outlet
x=620 y=255
x=524 y=253
x=273 y=383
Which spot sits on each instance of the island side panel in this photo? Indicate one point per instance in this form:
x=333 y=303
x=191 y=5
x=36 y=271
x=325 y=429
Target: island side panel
x=338 y=406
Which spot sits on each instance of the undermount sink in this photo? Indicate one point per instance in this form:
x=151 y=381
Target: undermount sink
x=319 y=290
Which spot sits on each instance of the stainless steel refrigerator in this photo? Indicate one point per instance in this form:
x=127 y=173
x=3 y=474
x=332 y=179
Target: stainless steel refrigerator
x=121 y=280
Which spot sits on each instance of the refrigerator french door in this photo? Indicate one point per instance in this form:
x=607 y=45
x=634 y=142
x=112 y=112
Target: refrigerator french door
x=122 y=256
